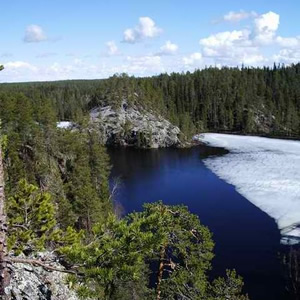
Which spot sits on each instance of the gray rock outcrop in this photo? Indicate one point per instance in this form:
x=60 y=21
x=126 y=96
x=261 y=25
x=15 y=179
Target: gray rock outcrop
x=130 y=125
x=35 y=283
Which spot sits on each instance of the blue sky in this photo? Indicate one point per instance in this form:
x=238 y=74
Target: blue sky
x=52 y=40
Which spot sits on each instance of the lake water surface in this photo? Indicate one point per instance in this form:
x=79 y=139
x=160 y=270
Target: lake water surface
x=246 y=238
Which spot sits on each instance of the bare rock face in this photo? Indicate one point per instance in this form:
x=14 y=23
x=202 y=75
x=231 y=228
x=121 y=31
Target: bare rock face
x=264 y=122
x=35 y=283
x=133 y=126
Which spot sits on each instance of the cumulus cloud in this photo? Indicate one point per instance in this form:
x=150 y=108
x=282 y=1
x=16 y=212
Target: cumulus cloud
x=236 y=16
x=168 y=48
x=245 y=46
x=265 y=27
x=112 y=48
x=241 y=46
x=193 y=59
x=145 y=29
x=34 y=34
x=226 y=38
x=231 y=47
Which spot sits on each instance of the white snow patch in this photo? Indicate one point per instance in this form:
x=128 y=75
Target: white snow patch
x=64 y=124
x=266 y=172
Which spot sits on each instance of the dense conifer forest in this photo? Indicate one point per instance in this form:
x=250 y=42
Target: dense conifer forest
x=57 y=181
x=241 y=100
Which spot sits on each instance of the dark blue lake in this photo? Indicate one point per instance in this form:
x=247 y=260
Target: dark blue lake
x=246 y=238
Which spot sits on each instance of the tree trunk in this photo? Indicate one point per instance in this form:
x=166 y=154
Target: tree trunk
x=4 y=271
x=160 y=272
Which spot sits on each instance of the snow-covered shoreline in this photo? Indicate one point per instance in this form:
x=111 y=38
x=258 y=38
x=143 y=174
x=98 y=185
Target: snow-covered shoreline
x=265 y=171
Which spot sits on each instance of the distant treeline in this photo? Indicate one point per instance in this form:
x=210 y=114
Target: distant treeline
x=245 y=100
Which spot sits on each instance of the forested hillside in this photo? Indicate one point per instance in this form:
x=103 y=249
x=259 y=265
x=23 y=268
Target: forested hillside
x=72 y=166
x=247 y=100
x=57 y=180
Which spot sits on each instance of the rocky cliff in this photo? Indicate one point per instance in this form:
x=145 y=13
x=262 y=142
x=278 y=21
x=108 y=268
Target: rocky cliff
x=129 y=125
x=35 y=283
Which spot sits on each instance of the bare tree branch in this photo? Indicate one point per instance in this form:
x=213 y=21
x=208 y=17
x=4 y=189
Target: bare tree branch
x=36 y=262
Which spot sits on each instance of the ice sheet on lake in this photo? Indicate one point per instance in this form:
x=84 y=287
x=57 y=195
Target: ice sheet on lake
x=64 y=124
x=266 y=172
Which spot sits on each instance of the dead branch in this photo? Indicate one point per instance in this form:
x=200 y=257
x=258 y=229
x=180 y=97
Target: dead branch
x=36 y=262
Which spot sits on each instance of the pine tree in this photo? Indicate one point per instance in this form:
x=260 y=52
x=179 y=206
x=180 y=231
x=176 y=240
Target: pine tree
x=119 y=258
x=114 y=257
x=182 y=247
x=31 y=216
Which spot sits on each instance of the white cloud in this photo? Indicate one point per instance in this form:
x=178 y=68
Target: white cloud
x=265 y=27
x=145 y=29
x=18 y=71
x=248 y=45
x=251 y=59
x=193 y=59
x=226 y=38
x=19 y=65
x=245 y=46
x=168 y=49
x=289 y=42
x=234 y=16
x=34 y=34
x=287 y=56
x=112 y=48
x=143 y=64
x=231 y=48
x=60 y=70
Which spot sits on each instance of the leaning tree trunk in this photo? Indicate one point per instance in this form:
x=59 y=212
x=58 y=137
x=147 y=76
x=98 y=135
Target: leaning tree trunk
x=4 y=271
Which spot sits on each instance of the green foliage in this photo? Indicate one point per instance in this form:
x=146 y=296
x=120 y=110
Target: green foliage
x=114 y=256
x=182 y=247
x=212 y=99
x=229 y=287
x=86 y=170
x=3 y=139
x=120 y=258
x=72 y=166
x=31 y=216
x=166 y=243
x=32 y=222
